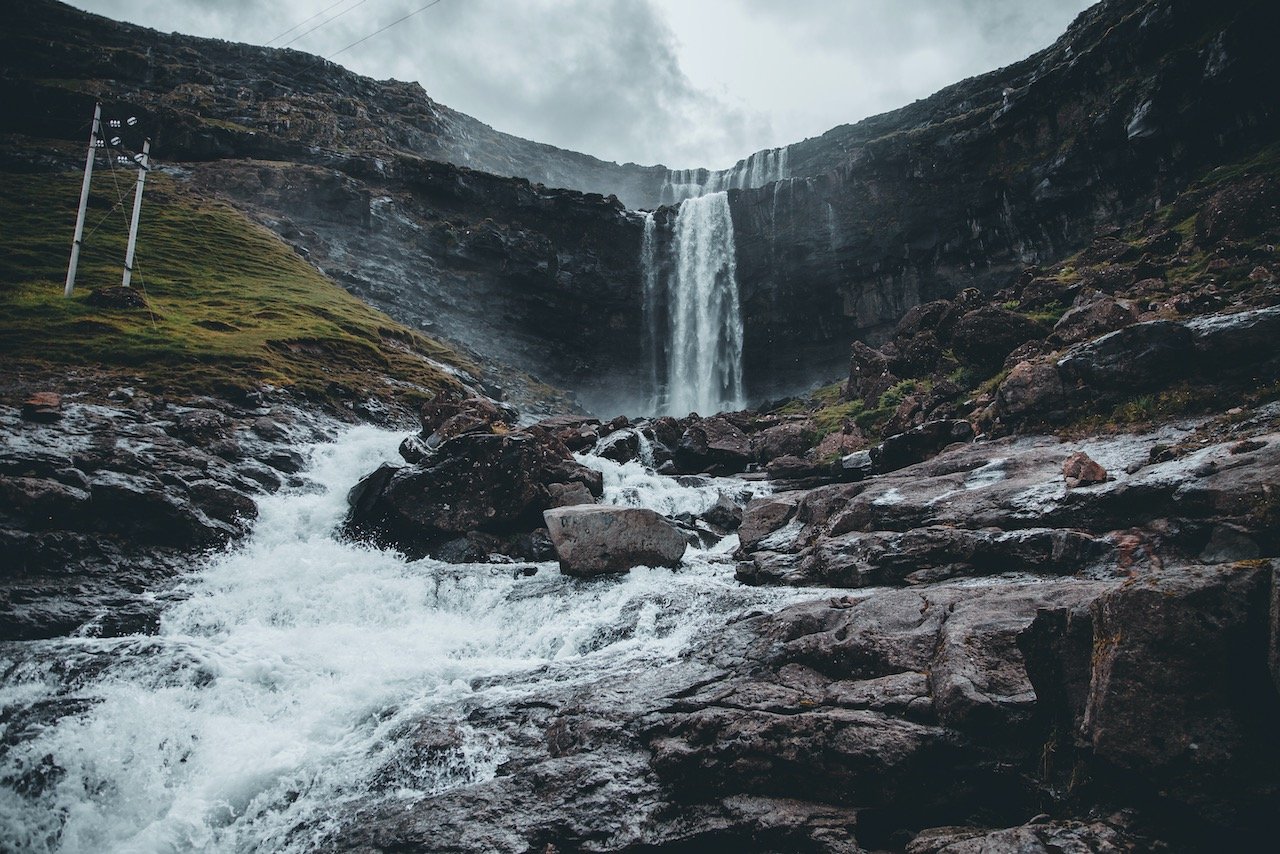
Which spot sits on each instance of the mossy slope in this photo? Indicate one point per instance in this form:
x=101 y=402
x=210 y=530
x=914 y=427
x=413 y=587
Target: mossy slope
x=230 y=307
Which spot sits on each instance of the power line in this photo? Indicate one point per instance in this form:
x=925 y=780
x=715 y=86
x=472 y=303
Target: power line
x=303 y=23
x=322 y=23
x=384 y=29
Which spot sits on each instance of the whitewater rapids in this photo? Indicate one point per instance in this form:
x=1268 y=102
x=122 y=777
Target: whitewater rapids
x=274 y=691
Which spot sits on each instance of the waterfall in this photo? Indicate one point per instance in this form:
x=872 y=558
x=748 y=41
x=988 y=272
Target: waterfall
x=704 y=343
x=650 y=270
x=761 y=168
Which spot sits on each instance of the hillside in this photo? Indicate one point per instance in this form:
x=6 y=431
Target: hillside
x=228 y=306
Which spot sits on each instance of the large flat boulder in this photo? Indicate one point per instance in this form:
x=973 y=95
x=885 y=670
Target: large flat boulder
x=595 y=539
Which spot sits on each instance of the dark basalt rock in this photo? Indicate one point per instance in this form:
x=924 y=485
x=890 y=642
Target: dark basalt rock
x=107 y=504
x=990 y=507
x=984 y=337
x=713 y=445
x=918 y=443
x=1142 y=356
x=476 y=482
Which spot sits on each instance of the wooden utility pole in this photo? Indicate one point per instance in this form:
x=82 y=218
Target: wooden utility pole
x=144 y=164
x=95 y=136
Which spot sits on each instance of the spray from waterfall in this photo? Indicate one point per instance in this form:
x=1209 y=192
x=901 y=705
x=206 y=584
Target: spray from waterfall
x=694 y=319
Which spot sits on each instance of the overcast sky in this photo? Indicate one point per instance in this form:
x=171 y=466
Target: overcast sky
x=680 y=82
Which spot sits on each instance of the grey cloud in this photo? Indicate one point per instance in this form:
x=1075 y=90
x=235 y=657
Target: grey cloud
x=599 y=77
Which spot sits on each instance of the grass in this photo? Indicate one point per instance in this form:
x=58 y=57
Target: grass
x=231 y=307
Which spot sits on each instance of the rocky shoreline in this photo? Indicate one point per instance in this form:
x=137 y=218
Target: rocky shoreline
x=108 y=499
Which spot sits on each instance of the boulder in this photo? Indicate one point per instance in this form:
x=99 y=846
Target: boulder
x=1033 y=390
x=938 y=317
x=492 y=483
x=1142 y=356
x=918 y=444
x=1096 y=317
x=764 y=516
x=713 y=445
x=869 y=374
x=621 y=446
x=984 y=337
x=1081 y=470
x=43 y=406
x=598 y=540
x=569 y=494
x=1231 y=340
x=1180 y=697
x=575 y=431
x=790 y=438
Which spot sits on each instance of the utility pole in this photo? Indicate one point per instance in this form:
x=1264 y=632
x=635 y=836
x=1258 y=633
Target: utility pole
x=144 y=164
x=95 y=138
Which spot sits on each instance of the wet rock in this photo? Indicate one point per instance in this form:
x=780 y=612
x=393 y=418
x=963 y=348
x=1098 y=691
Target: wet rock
x=576 y=432
x=598 y=540
x=918 y=444
x=858 y=465
x=1179 y=694
x=726 y=514
x=1229 y=340
x=42 y=406
x=713 y=445
x=984 y=337
x=569 y=494
x=104 y=505
x=876 y=558
x=476 y=482
x=1142 y=356
x=764 y=516
x=621 y=445
x=1080 y=470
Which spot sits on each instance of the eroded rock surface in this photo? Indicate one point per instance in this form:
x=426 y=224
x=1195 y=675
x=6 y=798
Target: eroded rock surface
x=104 y=505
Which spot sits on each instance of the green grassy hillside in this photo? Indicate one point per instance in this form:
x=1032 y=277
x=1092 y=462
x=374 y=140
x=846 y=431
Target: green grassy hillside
x=230 y=307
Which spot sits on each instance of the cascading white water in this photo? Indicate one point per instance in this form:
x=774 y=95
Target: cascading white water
x=704 y=346
x=651 y=271
x=280 y=688
x=761 y=168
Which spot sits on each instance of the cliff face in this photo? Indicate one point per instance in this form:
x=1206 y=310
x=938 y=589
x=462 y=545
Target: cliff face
x=519 y=275
x=1015 y=168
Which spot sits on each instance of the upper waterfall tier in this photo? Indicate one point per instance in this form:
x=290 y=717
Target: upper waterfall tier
x=761 y=168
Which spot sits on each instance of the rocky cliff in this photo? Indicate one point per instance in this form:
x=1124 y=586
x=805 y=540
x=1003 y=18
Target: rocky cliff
x=963 y=189
x=1017 y=167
